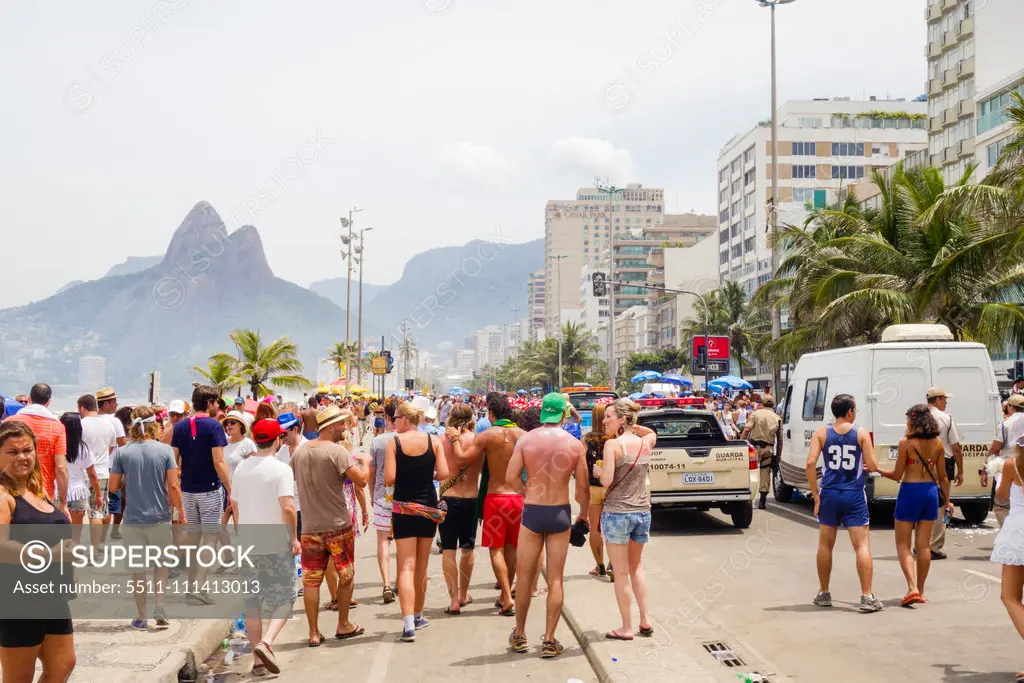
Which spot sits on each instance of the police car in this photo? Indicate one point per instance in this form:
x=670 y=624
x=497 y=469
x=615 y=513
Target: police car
x=583 y=398
x=694 y=465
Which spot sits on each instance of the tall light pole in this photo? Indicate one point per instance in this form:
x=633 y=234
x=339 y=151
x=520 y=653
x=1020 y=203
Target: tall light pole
x=558 y=301
x=773 y=209
x=347 y=223
x=610 y=190
x=360 y=255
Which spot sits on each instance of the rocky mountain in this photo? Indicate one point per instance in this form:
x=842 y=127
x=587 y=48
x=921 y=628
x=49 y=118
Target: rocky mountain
x=335 y=290
x=134 y=264
x=173 y=314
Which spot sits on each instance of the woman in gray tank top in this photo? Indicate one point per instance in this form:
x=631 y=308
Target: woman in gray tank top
x=626 y=518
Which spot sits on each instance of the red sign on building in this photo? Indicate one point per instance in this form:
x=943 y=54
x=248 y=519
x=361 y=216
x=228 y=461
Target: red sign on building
x=717 y=348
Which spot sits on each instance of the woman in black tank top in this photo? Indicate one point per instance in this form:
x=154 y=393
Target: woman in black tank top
x=23 y=502
x=412 y=465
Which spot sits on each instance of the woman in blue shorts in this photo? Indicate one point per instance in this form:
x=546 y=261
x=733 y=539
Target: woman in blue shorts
x=921 y=471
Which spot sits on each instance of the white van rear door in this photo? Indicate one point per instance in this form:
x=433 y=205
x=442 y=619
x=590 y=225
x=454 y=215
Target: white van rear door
x=967 y=375
x=900 y=377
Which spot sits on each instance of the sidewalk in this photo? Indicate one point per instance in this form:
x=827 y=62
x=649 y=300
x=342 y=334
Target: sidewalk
x=109 y=652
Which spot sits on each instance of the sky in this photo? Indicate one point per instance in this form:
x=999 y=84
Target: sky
x=443 y=120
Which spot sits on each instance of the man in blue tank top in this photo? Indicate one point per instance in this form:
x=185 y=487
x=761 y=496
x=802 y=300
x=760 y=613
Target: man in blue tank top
x=846 y=452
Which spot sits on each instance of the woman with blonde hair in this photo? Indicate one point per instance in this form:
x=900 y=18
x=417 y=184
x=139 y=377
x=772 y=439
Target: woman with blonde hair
x=626 y=519
x=413 y=461
x=1008 y=548
x=37 y=629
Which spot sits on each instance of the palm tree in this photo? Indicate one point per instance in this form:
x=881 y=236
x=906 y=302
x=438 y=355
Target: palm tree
x=343 y=356
x=276 y=363
x=406 y=347
x=578 y=349
x=219 y=372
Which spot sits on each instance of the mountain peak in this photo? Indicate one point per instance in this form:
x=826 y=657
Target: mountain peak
x=202 y=227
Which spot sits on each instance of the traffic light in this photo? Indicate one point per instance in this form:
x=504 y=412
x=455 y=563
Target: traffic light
x=600 y=284
x=1017 y=371
x=409 y=384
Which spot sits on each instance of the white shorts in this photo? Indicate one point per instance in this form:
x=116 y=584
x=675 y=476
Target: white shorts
x=381 y=515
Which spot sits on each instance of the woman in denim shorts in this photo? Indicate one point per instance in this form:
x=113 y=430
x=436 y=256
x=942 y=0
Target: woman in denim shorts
x=626 y=518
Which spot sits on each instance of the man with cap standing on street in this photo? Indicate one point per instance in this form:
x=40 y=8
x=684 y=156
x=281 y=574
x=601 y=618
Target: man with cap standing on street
x=262 y=495
x=950 y=435
x=763 y=429
x=1008 y=432
x=291 y=439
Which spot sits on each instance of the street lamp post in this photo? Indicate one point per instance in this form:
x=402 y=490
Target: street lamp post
x=610 y=191
x=773 y=216
x=558 y=302
x=347 y=241
x=361 y=255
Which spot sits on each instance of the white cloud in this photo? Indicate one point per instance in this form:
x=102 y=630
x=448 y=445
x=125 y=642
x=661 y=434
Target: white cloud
x=594 y=157
x=481 y=165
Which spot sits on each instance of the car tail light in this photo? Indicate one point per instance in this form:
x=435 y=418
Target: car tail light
x=752 y=455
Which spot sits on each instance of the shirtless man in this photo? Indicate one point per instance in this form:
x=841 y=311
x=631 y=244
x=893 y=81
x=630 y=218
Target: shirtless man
x=503 y=505
x=550 y=457
x=458 y=530
x=309 y=419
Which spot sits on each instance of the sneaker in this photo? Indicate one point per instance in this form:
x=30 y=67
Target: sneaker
x=202 y=597
x=823 y=599
x=139 y=625
x=161 y=618
x=259 y=670
x=869 y=603
x=550 y=649
x=116 y=533
x=421 y=622
x=518 y=643
x=389 y=595
x=408 y=636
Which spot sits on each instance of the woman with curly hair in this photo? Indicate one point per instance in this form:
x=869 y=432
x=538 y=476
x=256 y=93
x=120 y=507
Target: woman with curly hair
x=924 y=486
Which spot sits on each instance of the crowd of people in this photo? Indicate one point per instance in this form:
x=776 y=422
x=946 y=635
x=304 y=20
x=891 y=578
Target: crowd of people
x=191 y=472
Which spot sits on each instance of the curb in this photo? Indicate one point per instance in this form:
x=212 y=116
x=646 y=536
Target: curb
x=204 y=641
x=596 y=663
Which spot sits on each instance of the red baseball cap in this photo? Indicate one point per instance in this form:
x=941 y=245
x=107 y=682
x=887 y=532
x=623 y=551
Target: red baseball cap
x=265 y=431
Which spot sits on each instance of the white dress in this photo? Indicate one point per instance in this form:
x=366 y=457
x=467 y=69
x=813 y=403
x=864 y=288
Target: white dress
x=1008 y=547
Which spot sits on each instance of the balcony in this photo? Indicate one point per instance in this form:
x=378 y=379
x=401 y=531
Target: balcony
x=935 y=87
x=935 y=124
x=965 y=148
x=949 y=40
x=965 y=69
x=656 y=259
x=949 y=4
x=933 y=50
x=934 y=11
x=948 y=156
x=949 y=77
x=965 y=108
x=966 y=27
x=949 y=116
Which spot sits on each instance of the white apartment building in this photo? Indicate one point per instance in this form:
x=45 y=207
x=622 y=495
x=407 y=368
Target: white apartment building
x=92 y=372
x=824 y=145
x=465 y=362
x=631 y=328
x=580 y=231
x=489 y=346
x=536 y=289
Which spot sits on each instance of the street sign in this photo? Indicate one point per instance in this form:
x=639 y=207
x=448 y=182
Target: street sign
x=717 y=348
x=379 y=365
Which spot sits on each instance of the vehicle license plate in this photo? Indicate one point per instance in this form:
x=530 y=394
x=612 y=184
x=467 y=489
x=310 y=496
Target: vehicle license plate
x=698 y=477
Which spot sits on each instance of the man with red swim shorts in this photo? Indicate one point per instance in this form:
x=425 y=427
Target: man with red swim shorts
x=321 y=467
x=503 y=505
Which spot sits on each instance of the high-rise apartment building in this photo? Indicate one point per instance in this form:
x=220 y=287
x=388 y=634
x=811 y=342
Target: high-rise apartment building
x=92 y=372
x=580 y=230
x=824 y=145
x=489 y=346
x=536 y=290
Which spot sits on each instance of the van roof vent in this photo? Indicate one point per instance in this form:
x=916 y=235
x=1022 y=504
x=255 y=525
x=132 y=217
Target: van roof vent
x=907 y=333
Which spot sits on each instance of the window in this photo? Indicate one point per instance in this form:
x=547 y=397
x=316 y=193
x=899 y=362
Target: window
x=735 y=229
x=723 y=236
x=736 y=187
x=748 y=200
x=737 y=251
x=995 y=150
x=880 y=150
x=748 y=224
x=803 y=194
x=803 y=172
x=814 y=399
x=723 y=175
x=723 y=257
x=749 y=245
x=810 y=122
x=851 y=172
x=723 y=217
x=789 y=396
x=723 y=196
x=749 y=177
x=748 y=155
x=735 y=166
x=803 y=149
x=847 y=149
x=736 y=208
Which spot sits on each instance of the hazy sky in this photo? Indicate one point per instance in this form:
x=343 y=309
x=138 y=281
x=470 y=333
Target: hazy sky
x=442 y=119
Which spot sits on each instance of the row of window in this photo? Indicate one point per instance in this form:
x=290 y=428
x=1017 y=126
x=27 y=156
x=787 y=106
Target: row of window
x=734 y=167
x=852 y=172
x=748 y=245
x=995 y=150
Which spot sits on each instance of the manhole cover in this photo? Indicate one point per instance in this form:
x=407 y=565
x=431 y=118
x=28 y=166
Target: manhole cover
x=723 y=653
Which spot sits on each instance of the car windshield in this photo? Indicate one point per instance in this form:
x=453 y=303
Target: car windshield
x=586 y=401
x=683 y=427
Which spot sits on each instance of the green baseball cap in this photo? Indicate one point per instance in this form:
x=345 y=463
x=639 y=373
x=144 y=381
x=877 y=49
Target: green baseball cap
x=552 y=408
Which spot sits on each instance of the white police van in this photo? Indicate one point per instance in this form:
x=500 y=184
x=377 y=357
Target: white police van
x=886 y=379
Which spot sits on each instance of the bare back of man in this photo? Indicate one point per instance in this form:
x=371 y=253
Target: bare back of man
x=550 y=457
x=503 y=504
x=309 y=421
x=458 y=530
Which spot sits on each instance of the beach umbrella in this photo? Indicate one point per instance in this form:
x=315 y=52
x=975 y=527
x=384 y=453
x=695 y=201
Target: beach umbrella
x=676 y=379
x=645 y=376
x=732 y=382
x=521 y=392
x=635 y=395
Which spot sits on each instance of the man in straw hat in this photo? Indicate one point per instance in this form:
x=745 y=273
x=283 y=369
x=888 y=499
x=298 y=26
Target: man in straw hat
x=321 y=467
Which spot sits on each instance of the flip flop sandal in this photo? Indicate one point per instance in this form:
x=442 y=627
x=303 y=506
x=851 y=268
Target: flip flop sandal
x=469 y=601
x=508 y=612
x=317 y=643
x=353 y=604
x=332 y=606
x=614 y=635
x=452 y=612
x=358 y=631
x=911 y=599
x=646 y=631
